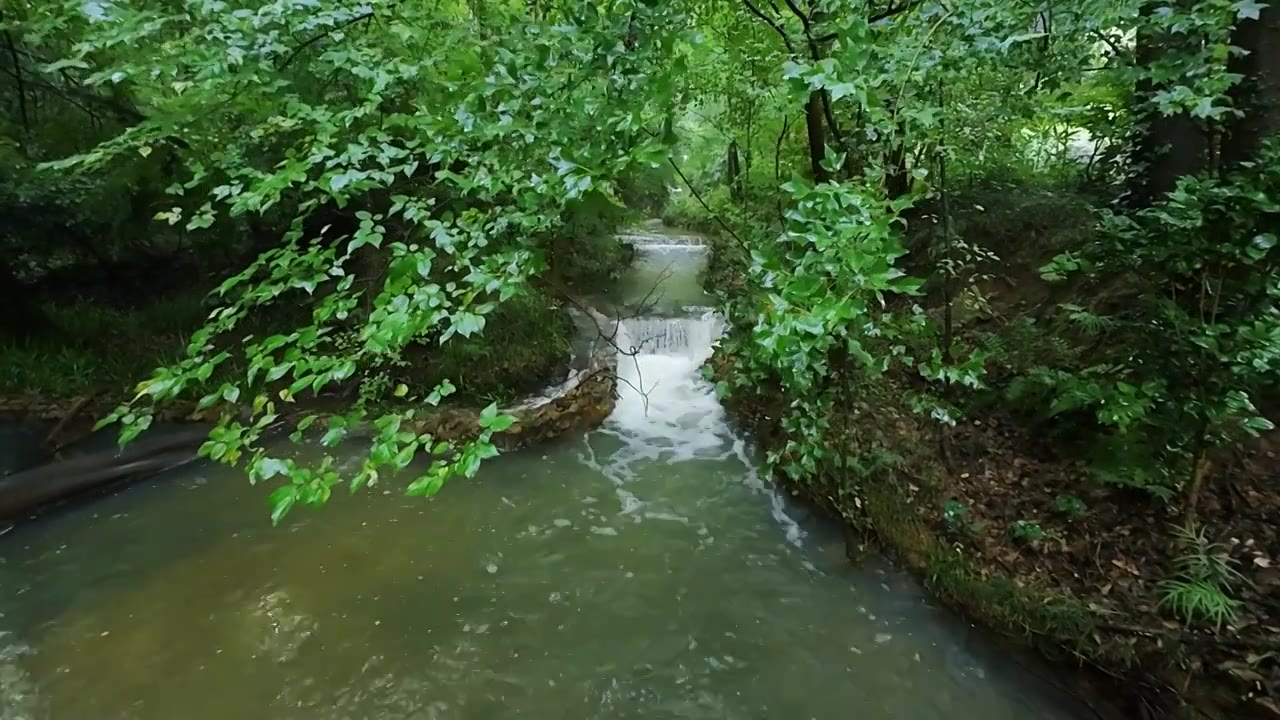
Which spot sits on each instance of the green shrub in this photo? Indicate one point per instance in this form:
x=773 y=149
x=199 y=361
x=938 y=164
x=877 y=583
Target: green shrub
x=956 y=519
x=1070 y=507
x=684 y=210
x=1195 y=342
x=646 y=190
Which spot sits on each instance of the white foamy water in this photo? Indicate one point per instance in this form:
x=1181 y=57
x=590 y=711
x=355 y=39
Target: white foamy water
x=665 y=407
x=688 y=338
x=666 y=411
x=18 y=700
x=666 y=239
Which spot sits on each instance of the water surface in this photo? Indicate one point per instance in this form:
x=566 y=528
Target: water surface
x=643 y=570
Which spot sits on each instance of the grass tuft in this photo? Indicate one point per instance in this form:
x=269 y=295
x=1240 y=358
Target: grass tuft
x=90 y=347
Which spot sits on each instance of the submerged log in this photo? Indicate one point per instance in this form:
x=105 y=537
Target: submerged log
x=25 y=492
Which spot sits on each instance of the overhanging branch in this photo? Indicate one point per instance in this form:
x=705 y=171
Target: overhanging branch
x=782 y=33
x=312 y=41
x=874 y=18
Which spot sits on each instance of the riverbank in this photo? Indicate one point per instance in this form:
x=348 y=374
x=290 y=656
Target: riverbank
x=1006 y=526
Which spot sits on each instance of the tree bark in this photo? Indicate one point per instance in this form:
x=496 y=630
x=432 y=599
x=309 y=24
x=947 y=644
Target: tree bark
x=733 y=171
x=816 y=127
x=21 y=89
x=1258 y=94
x=897 y=179
x=817 y=110
x=1167 y=147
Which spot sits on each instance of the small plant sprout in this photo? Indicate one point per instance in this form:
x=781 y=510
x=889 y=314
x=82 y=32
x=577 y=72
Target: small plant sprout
x=1199 y=591
x=1069 y=506
x=1027 y=531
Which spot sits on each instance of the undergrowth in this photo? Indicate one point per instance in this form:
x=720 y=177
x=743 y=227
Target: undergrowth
x=94 y=348
x=91 y=347
x=526 y=345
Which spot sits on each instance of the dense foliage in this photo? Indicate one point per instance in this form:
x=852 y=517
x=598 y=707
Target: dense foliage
x=1068 y=210
x=915 y=108
x=402 y=161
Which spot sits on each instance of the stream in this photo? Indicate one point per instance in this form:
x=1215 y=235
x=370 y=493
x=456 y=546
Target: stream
x=642 y=570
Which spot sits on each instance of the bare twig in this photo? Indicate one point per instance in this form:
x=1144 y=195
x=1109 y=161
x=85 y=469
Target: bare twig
x=777 y=165
x=897 y=105
x=639 y=309
x=743 y=243
x=890 y=11
x=777 y=27
x=50 y=443
x=874 y=18
x=1116 y=50
x=336 y=28
x=21 y=89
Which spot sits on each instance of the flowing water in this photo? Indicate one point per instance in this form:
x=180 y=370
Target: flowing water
x=643 y=570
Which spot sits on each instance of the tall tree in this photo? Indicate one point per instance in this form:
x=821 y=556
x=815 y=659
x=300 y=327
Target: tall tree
x=1257 y=95
x=1169 y=142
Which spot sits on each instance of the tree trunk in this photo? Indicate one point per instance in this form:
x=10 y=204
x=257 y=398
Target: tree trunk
x=1167 y=146
x=733 y=171
x=23 y=317
x=1258 y=94
x=817 y=136
x=897 y=180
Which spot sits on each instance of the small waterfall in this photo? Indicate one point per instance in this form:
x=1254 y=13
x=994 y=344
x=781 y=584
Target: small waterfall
x=689 y=337
x=664 y=279
x=642 y=239
x=664 y=403
x=665 y=406
x=666 y=411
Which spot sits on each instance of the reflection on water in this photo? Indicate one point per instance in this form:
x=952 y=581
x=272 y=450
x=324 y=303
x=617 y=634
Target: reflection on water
x=640 y=571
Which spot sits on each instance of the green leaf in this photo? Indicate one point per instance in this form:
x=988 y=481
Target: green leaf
x=271 y=467
x=405 y=456
x=488 y=415
x=501 y=423
x=134 y=429
x=840 y=90
x=340 y=181
x=281 y=501
x=1249 y=9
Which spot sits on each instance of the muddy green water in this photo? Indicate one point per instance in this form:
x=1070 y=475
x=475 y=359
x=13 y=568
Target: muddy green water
x=643 y=570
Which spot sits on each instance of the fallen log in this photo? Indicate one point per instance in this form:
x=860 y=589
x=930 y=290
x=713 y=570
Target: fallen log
x=26 y=492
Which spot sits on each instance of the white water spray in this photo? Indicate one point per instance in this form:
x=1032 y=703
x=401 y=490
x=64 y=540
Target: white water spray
x=666 y=411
